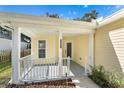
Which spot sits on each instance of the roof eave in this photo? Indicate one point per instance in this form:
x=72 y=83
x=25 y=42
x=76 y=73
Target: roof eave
x=39 y=19
x=114 y=17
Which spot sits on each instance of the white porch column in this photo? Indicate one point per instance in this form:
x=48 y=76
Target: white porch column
x=16 y=55
x=91 y=51
x=60 y=53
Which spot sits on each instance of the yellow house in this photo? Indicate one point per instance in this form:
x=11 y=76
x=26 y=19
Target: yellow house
x=56 y=44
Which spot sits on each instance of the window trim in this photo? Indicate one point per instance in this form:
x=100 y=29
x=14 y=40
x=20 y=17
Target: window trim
x=45 y=48
x=5 y=35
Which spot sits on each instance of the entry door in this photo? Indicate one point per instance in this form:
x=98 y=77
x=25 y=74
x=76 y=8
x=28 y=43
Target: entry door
x=69 y=49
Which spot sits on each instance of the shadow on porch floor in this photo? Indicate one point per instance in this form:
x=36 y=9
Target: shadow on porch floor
x=76 y=70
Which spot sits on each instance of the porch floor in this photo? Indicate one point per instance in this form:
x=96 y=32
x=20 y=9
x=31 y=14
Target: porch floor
x=76 y=70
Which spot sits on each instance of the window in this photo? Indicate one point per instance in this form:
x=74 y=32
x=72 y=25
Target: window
x=4 y=33
x=42 y=48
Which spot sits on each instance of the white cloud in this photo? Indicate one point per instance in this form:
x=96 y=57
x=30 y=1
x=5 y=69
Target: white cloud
x=108 y=8
x=74 y=12
x=61 y=15
x=117 y=6
x=100 y=19
x=85 y=6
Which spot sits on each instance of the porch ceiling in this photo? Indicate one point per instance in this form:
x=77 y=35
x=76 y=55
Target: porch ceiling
x=36 y=24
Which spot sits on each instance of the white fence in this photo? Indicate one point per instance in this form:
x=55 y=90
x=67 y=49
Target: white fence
x=44 y=69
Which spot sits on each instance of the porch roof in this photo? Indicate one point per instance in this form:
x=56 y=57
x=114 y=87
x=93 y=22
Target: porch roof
x=41 y=24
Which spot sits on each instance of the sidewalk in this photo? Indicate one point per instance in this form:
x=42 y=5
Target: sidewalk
x=84 y=82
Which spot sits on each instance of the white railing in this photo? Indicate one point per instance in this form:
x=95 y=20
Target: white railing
x=44 y=69
x=25 y=66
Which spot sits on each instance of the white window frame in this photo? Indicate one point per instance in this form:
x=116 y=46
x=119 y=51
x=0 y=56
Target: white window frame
x=43 y=48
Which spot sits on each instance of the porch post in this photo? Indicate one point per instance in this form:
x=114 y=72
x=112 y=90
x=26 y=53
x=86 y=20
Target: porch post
x=60 y=54
x=91 y=51
x=16 y=55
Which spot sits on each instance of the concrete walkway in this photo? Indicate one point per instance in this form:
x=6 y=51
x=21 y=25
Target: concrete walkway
x=79 y=78
x=84 y=82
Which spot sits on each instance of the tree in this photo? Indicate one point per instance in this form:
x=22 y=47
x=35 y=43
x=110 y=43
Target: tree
x=52 y=15
x=88 y=16
x=94 y=14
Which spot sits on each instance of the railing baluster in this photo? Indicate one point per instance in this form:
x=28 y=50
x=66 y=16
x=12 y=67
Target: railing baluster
x=68 y=63
x=37 y=72
x=51 y=67
x=57 y=69
x=34 y=70
x=40 y=70
x=46 y=70
x=30 y=69
x=27 y=70
x=62 y=67
x=43 y=68
x=24 y=69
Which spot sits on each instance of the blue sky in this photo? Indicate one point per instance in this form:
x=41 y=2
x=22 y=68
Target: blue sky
x=65 y=11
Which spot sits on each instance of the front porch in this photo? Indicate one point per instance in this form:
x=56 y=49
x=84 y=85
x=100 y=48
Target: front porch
x=50 y=59
x=51 y=40
x=55 y=64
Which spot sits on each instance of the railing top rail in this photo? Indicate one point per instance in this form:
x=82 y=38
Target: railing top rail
x=23 y=58
x=66 y=58
x=39 y=59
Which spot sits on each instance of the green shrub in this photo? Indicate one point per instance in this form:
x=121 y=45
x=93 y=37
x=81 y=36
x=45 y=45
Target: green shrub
x=115 y=81
x=105 y=79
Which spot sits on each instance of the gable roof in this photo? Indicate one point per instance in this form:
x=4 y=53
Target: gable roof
x=113 y=17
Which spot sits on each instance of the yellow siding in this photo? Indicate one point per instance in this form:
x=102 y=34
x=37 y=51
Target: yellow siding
x=117 y=39
x=51 y=45
x=104 y=51
x=81 y=49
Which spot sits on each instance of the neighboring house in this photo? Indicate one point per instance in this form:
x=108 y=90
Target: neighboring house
x=87 y=43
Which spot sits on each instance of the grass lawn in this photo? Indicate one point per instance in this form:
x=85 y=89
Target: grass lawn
x=5 y=73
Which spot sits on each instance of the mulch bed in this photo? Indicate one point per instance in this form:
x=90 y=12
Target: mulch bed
x=48 y=84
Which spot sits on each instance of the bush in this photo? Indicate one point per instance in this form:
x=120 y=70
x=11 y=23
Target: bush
x=106 y=79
